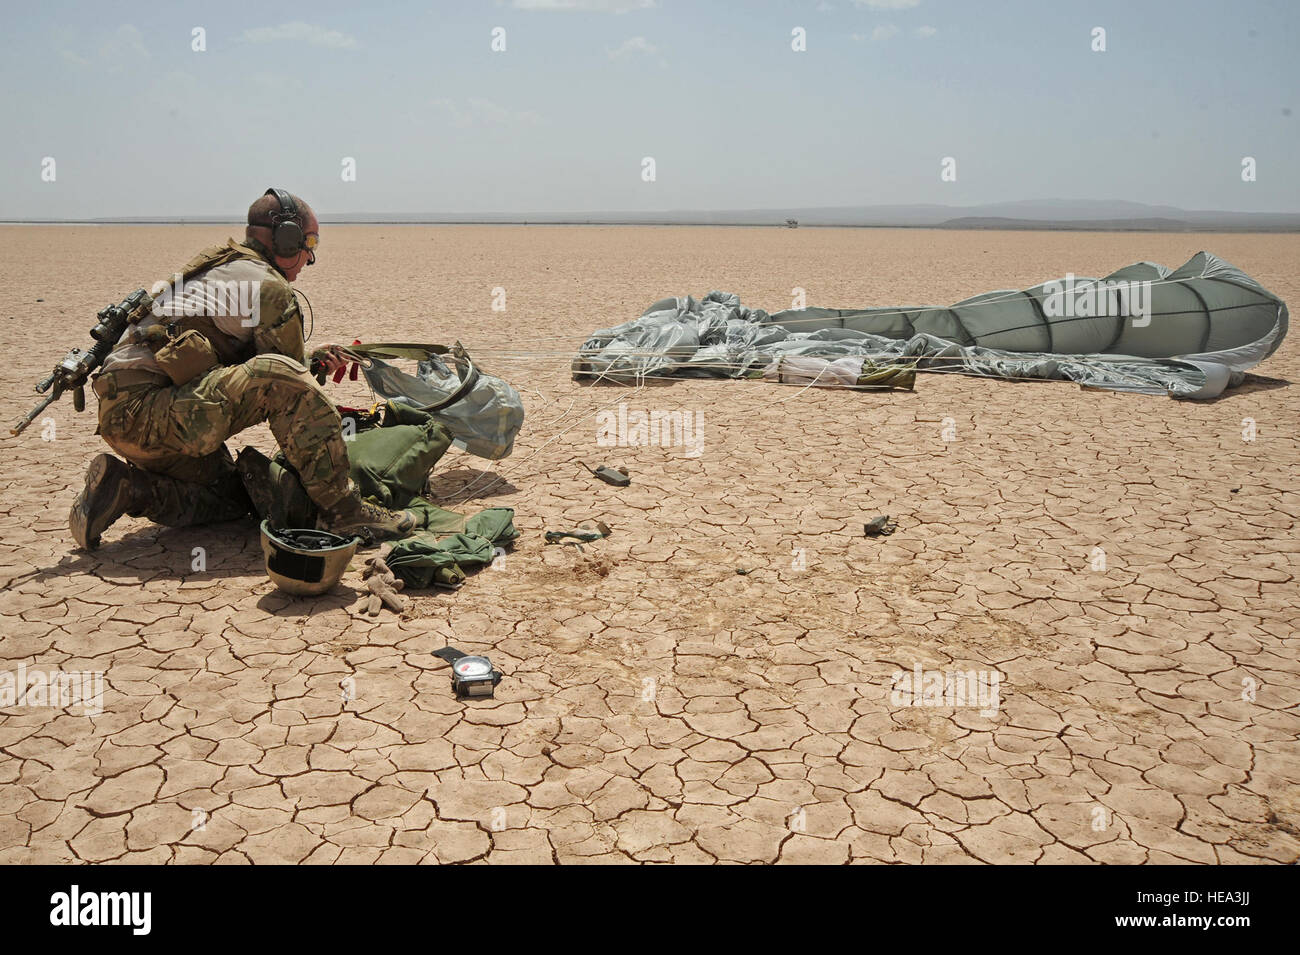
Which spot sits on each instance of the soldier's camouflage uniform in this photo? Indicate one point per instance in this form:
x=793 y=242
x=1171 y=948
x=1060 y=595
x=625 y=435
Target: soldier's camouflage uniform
x=177 y=433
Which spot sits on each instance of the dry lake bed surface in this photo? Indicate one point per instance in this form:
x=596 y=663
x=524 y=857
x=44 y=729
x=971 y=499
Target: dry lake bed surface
x=1121 y=568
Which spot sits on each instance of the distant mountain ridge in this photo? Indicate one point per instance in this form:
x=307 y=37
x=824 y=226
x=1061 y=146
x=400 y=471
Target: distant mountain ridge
x=1088 y=214
x=1146 y=224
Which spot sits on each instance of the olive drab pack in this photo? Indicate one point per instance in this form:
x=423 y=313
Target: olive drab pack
x=389 y=464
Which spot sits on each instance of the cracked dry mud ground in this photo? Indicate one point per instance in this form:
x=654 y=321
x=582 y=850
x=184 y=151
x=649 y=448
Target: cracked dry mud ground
x=1125 y=732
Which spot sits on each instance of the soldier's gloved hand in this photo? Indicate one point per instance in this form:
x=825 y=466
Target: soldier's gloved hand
x=327 y=359
x=333 y=359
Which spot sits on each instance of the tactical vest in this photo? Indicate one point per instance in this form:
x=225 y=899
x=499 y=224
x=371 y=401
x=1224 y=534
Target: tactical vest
x=154 y=331
x=230 y=350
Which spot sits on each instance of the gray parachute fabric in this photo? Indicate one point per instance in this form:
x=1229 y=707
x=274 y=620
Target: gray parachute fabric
x=1188 y=333
x=483 y=413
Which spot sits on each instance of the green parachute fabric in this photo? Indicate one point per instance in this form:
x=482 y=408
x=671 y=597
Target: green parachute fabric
x=1188 y=333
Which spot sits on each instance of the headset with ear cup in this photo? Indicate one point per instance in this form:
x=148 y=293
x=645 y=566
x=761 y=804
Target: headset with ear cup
x=286 y=225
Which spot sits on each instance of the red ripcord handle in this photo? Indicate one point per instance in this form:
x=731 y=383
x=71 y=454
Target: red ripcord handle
x=352 y=371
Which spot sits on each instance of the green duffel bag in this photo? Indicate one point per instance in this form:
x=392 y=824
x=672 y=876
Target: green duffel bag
x=389 y=464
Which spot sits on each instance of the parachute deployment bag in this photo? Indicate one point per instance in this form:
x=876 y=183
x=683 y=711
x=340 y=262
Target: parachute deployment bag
x=483 y=413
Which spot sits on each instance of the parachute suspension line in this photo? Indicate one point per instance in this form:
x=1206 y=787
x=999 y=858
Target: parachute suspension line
x=801 y=390
x=564 y=414
x=540 y=395
x=464 y=493
x=473 y=489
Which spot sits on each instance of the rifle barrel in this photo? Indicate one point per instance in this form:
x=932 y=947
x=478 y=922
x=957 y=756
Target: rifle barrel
x=21 y=426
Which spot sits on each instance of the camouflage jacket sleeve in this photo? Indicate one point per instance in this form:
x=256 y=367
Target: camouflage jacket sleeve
x=279 y=328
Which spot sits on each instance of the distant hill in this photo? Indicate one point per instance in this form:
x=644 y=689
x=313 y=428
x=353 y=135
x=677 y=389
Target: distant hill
x=1083 y=214
x=1152 y=224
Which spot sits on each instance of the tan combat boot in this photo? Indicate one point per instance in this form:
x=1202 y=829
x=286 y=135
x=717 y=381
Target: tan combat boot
x=112 y=489
x=353 y=515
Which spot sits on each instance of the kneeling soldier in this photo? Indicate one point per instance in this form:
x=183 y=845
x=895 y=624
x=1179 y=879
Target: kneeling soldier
x=225 y=354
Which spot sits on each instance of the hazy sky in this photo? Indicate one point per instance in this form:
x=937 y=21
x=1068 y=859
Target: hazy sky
x=140 y=124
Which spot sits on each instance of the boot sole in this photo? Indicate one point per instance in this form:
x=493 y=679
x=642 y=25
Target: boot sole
x=94 y=499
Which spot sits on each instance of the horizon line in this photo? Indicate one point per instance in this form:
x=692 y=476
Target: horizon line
x=1153 y=224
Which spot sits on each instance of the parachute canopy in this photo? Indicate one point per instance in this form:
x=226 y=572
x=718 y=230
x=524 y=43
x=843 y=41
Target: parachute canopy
x=1188 y=333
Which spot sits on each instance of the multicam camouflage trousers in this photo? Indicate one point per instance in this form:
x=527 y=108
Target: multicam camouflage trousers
x=178 y=434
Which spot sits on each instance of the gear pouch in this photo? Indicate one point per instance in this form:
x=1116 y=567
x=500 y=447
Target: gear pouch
x=186 y=357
